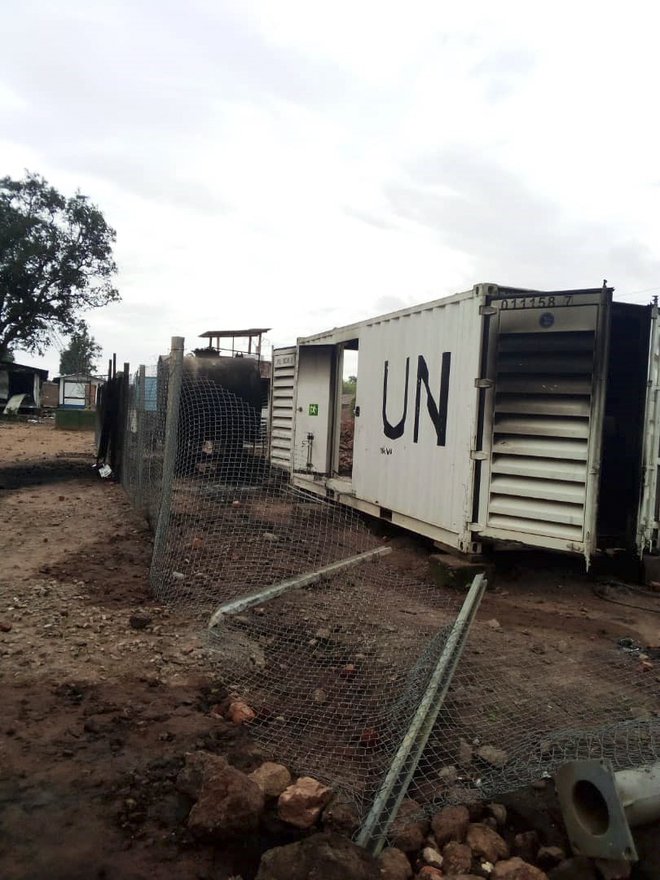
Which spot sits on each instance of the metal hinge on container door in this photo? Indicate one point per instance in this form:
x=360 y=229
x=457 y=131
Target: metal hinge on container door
x=487 y=310
x=478 y=455
x=483 y=383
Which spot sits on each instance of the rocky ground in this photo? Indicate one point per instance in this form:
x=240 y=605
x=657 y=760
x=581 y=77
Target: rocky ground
x=121 y=757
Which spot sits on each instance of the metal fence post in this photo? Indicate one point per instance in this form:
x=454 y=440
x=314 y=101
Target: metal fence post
x=121 y=427
x=140 y=451
x=175 y=370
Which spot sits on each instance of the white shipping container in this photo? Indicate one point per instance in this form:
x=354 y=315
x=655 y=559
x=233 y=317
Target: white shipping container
x=494 y=415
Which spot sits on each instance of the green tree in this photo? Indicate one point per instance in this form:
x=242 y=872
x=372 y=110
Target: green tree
x=55 y=262
x=81 y=353
x=349 y=385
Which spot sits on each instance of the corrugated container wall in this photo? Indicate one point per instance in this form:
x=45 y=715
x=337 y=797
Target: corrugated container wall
x=417 y=414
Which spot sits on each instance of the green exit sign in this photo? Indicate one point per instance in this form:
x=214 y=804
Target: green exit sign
x=313 y=409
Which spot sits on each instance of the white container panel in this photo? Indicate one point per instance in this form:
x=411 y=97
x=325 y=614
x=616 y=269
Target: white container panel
x=412 y=448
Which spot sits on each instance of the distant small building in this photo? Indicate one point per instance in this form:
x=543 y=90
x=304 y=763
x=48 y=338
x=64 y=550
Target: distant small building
x=79 y=391
x=21 y=379
x=50 y=394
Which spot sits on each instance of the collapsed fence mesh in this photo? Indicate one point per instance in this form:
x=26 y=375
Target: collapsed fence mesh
x=334 y=663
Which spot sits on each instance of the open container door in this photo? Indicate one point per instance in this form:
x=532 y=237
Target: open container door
x=543 y=418
x=314 y=404
x=647 y=520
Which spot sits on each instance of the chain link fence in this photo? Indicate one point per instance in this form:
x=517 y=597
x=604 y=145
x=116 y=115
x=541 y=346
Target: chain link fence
x=329 y=634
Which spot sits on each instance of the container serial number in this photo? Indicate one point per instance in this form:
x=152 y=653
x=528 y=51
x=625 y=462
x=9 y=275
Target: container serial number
x=536 y=302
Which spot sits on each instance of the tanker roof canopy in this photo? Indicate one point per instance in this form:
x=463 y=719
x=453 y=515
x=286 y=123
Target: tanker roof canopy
x=226 y=334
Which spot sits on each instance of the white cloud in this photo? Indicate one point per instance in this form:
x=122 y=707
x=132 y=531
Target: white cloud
x=296 y=165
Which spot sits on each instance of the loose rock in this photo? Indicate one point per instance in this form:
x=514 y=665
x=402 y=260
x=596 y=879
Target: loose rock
x=457 y=858
x=526 y=845
x=451 y=823
x=493 y=756
x=485 y=842
x=340 y=816
x=327 y=855
x=410 y=828
x=432 y=857
x=228 y=803
x=198 y=766
x=464 y=752
x=498 y=812
x=139 y=621
x=271 y=778
x=319 y=696
x=448 y=774
x=394 y=865
x=516 y=869
x=240 y=713
x=301 y=803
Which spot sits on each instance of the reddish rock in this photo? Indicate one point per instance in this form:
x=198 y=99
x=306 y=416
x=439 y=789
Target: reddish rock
x=457 y=858
x=301 y=803
x=526 y=845
x=326 y=855
x=451 y=823
x=486 y=843
x=394 y=865
x=409 y=829
x=516 y=869
x=271 y=778
x=240 y=713
x=229 y=804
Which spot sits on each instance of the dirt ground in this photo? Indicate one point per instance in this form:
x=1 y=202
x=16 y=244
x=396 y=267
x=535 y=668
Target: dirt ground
x=97 y=714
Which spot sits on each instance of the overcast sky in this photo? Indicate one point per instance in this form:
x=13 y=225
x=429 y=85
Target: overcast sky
x=300 y=165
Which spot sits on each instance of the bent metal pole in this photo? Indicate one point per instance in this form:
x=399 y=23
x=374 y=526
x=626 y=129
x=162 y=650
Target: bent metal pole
x=294 y=583
x=385 y=806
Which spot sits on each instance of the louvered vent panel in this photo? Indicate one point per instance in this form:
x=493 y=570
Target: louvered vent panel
x=541 y=433
x=282 y=397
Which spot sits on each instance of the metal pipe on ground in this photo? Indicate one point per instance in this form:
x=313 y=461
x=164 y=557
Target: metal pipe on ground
x=600 y=806
x=294 y=583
